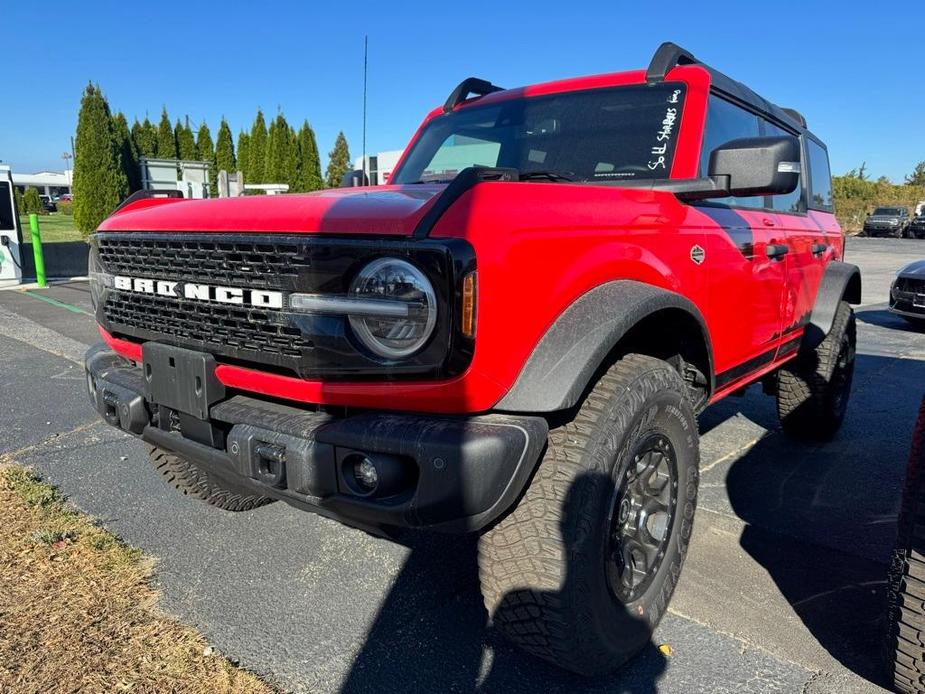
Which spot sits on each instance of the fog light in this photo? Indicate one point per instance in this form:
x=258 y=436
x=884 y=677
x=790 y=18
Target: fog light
x=366 y=474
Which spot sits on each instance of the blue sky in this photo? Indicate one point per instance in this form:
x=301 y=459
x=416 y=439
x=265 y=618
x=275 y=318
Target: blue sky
x=856 y=70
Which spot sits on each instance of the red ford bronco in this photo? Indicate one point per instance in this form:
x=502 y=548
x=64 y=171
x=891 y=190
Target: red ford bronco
x=513 y=338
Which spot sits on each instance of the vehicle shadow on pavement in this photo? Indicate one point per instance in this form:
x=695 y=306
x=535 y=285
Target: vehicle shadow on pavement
x=820 y=518
x=884 y=319
x=450 y=645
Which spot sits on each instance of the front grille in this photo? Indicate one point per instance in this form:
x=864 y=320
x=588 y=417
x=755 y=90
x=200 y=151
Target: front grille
x=219 y=327
x=309 y=345
x=262 y=263
x=910 y=285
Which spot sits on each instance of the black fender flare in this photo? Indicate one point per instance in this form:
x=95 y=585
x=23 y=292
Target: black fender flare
x=566 y=358
x=840 y=282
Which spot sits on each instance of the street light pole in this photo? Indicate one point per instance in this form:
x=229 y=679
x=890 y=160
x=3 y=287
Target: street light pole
x=67 y=176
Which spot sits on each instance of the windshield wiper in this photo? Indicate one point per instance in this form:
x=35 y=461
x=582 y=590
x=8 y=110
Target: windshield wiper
x=545 y=175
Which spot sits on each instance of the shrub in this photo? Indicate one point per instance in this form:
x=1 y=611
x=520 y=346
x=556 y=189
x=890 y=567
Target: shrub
x=32 y=203
x=66 y=208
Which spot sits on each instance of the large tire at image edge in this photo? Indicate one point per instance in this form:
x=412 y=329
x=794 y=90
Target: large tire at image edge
x=193 y=481
x=571 y=573
x=814 y=387
x=907 y=575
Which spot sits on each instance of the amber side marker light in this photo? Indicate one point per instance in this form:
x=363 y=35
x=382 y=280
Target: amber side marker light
x=469 y=296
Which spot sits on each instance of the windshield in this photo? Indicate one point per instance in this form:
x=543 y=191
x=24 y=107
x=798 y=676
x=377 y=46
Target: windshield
x=890 y=211
x=598 y=135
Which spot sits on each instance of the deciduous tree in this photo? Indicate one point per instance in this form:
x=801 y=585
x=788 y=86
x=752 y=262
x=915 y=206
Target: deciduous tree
x=917 y=177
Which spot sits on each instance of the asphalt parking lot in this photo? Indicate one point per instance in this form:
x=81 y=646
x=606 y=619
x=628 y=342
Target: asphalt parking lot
x=783 y=589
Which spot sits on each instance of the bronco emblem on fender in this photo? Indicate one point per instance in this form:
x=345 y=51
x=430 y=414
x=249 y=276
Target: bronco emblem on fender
x=698 y=254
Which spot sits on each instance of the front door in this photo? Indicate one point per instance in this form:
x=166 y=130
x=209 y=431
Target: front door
x=746 y=261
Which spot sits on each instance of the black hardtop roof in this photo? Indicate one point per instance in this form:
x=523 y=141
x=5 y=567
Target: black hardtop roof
x=666 y=57
x=670 y=54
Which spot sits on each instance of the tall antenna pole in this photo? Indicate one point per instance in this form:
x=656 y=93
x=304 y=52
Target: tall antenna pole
x=365 y=72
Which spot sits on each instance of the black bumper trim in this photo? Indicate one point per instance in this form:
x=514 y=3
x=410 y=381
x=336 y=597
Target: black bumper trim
x=462 y=472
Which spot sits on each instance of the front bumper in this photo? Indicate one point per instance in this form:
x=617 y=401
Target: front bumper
x=882 y=230
x=907 y=298
x=455 y=474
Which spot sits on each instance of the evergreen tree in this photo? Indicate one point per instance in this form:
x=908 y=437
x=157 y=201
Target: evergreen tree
x=186 y=143
x=206 y=152
x=32 y=203
x=244 y=158
x=278 y=156
x=145 y=138
x=224 y=150
x=338 y=161
x=917 y=177
x=128 y=152
x=309 y=160
x=20 y=203
x=257 y=150
x=293 y=175
x=166 y=139
x=99 y=181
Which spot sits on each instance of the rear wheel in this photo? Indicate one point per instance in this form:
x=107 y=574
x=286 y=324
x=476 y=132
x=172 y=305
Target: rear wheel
x=907 y=575
x=813 y=389
x=193 y=481
x=581 y=571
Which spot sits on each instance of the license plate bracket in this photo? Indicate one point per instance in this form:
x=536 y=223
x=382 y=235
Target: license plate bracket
x=181 y=379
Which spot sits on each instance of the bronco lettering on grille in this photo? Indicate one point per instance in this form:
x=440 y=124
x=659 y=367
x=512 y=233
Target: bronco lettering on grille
x=258 y=298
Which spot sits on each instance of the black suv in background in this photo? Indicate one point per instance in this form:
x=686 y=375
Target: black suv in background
x=887 y=221
x=916 y=228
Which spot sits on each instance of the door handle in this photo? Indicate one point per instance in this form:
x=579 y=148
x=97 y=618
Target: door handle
x=767 y=221
x=819 y=248
x=776 y=251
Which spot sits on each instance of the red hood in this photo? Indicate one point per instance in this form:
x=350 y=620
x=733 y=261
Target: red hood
x=394 y=210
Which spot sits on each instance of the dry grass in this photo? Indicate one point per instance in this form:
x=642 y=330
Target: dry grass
x=77 y=612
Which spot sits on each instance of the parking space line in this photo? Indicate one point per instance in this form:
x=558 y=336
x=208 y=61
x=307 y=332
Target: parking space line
x=58 y=303
x=735 y=453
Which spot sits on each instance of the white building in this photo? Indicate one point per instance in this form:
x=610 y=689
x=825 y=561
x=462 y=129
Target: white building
x=48 y=182
x=379 y=166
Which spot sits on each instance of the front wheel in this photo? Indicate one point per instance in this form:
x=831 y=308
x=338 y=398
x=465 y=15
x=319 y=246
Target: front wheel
x=581 y=571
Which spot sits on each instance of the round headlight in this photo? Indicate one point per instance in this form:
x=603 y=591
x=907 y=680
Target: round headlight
x=399 y=283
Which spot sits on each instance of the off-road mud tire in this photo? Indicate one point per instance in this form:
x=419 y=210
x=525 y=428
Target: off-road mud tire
x=907 y=576
x=814 y=387
x=543 y=568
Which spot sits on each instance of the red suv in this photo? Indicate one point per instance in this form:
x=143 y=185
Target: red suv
x=512 y=338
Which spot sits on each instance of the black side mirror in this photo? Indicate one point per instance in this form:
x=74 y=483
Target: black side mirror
x=354 y=179
x=757 y=165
